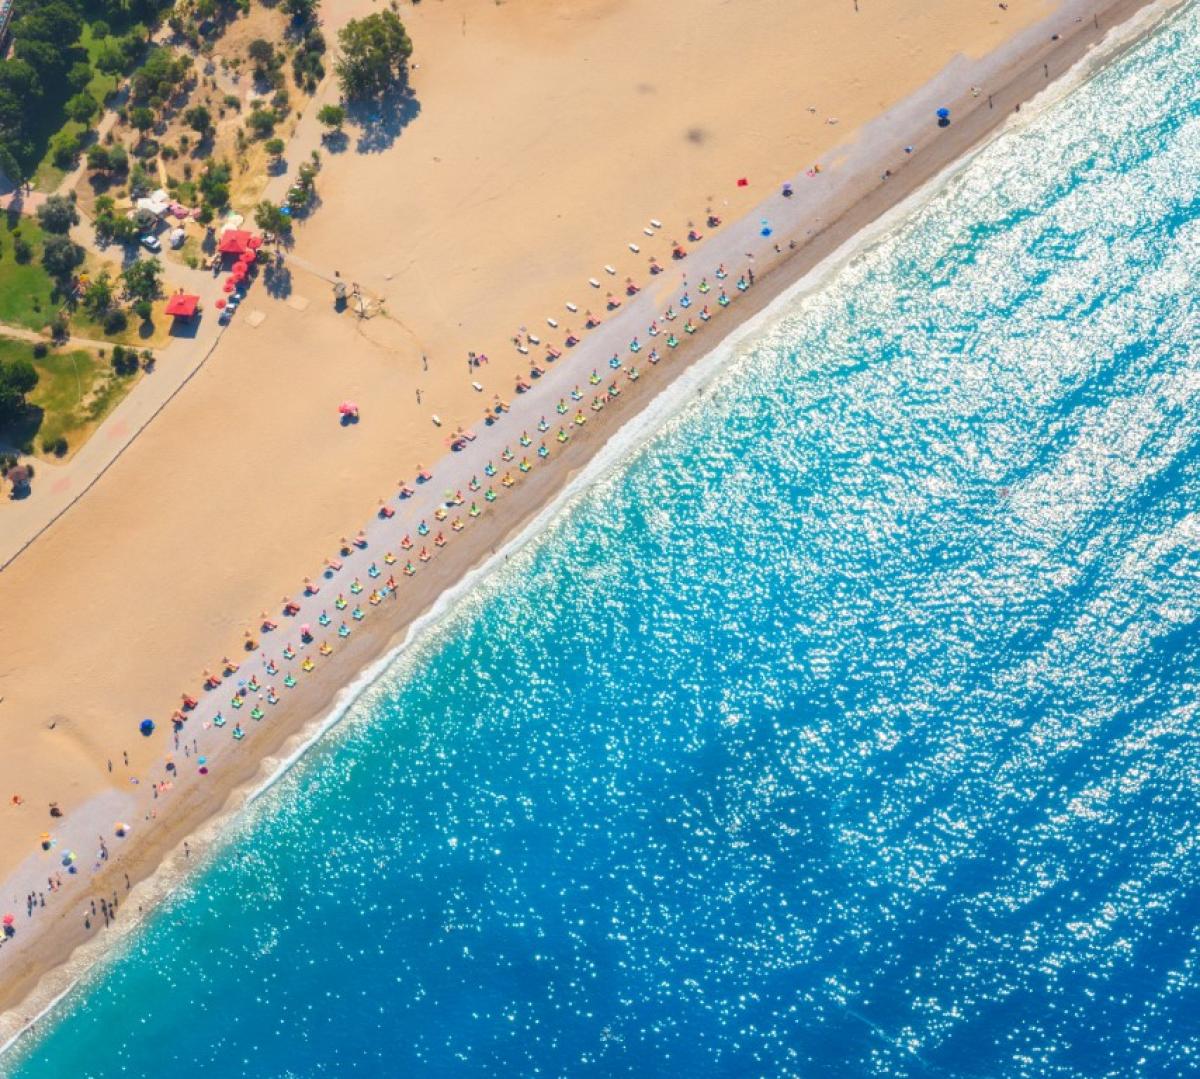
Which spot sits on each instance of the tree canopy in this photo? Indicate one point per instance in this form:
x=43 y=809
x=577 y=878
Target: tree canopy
x=143 y=279
x=375 y=52
x=17 y=379
x=57 y=214
x=61 y=256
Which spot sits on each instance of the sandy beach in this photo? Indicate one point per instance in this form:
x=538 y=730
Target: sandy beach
x=542 y=141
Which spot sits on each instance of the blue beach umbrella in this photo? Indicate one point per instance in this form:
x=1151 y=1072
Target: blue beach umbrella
x=943 y=114
x=146 y=727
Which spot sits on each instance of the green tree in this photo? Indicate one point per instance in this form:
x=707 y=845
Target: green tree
x=110 y=59
x=375 y=52
x=143 y=279
x=81 y=108
x=271 y=218
x=98 y=158
x=79 y=76
x=61 y=256
x=261 y=51
x=98 y=297
x=332 y=116
x=274 y=147
x=17 y=379
x=199 y=119
x=261 y=122
x=143 y=309
x=142 y=119
x=57 y=214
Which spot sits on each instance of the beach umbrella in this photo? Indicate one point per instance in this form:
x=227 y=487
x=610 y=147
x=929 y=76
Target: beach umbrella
x=348 y=408
x=247 y=257
x=254 y=243
x=743 y=182
x=9 y=919
x=121 y=828
x=943 y=114
x=146 y=727
x=238 y=272
x=229 y=285
x=220 y=305
x=306 y=630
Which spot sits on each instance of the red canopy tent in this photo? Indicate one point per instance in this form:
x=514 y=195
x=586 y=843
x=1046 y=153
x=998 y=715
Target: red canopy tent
x=183 y=305
x=235 y=241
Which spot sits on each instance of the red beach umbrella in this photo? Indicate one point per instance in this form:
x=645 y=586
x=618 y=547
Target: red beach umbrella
x=220 y=305
x=743 y=182
x=238 y=272
x=9 y=919
x=254 y=243
x=247 y=257
x=229 y=285
x=348 y=408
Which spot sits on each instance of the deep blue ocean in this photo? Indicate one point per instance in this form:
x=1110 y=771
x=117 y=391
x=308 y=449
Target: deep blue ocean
x=848 y=728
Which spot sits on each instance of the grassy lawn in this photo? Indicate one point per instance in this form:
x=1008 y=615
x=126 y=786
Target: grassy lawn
x=134 y=335
x=24 y=288
x=76 y=389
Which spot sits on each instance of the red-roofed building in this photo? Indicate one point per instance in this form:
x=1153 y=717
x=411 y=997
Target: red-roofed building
x=235 y=241
x=183 y=305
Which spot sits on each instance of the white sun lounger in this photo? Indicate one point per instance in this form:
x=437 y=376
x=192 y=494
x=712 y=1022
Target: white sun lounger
x=634 y=248
x=610 y=270
x=656 y=223
x=593 y=282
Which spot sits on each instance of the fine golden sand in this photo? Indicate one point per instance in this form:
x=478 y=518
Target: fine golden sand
x=542 y=138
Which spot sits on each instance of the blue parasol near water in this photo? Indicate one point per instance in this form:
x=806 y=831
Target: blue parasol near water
x=146 y=727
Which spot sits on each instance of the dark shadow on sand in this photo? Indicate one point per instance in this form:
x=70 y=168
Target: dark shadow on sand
x=380 y=121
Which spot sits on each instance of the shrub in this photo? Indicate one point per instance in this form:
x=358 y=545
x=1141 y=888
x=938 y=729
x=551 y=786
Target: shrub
x=22 y=252
x=332 y=116
x=40 y=349
x=115 y=322
x=56 y=446
x=143 y=309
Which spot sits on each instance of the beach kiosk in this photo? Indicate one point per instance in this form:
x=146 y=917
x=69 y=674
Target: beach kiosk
x=234 y=242
x=183 y=306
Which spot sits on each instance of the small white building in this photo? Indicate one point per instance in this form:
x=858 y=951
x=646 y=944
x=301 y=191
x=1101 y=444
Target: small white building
x=157 y=202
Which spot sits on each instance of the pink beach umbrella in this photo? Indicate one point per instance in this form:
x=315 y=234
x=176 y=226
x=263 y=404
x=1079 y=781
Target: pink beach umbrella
x=220 y=304
x=229 y=285
x=254 y=243
x=238 y=272
x=9 y=919
x=348 y=408
x=306 y=630
x=247 y=257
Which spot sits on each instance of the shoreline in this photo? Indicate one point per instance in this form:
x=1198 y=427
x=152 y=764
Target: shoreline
x=518 y=517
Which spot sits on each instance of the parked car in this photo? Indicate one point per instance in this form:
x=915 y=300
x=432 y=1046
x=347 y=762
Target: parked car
x=151 y=243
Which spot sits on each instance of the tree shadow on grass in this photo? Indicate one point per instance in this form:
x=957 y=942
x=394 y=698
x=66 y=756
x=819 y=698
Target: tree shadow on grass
x=380 y=121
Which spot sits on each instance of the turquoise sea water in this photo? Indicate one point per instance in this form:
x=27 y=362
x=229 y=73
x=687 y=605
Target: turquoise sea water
x=849 y=729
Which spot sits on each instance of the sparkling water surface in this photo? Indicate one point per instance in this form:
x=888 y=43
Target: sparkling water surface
x=848 y=729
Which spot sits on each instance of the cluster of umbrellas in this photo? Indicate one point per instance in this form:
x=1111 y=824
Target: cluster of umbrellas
x=241 y=268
